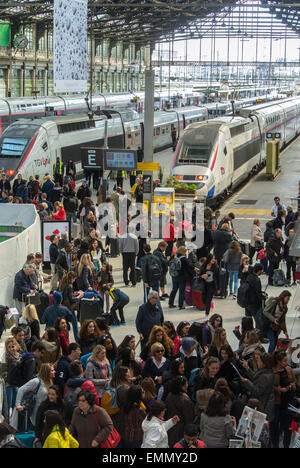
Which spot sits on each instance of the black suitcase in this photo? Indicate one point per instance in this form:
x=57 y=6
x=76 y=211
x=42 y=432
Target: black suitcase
x=223 y=282
x=245 y=247
x=138 y=274
x=90 y=309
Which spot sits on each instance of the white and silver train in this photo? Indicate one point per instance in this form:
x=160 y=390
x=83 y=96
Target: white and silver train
x=217 y=155
x=12 y=109
x=30 y=147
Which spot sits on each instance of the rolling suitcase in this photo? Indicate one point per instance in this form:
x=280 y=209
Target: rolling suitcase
x=198 y=286
x=90 y=309
x=25 y=436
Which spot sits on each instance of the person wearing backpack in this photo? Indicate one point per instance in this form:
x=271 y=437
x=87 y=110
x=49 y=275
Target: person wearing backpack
x=73 y=387
x=32 y=394
x=273 y=248
x=120 y=300
x=149 y=315
x=151 y=271
x=253 y=295
x=275 y=312
x=181 y=271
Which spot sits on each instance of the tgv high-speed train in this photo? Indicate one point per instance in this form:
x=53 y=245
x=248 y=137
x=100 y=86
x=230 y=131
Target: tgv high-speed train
x=31 y=146
x=12 y=109
x=217 y=155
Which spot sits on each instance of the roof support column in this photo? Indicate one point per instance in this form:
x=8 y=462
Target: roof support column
x=148 y=115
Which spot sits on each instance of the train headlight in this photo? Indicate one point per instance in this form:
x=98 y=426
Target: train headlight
x=179 y=177
x=11 y=172
x=202 y=177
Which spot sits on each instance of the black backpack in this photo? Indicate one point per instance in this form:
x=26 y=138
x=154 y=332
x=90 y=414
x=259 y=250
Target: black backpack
x=15 y=375
x=154 y=271
x=242 y=294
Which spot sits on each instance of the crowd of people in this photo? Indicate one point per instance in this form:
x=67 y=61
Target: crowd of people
x=186 y=386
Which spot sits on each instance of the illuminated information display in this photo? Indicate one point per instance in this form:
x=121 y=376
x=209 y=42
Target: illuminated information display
x=125 y=160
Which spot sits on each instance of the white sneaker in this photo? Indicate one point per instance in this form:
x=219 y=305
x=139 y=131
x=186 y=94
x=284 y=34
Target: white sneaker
x=234 y=297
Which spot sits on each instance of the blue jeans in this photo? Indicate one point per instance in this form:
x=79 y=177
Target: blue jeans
x=272 y=336
x=233 y=281
x=178 y=283
x=154 y=287
x=11 y=395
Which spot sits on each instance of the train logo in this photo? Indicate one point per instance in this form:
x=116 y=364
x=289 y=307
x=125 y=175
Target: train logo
x=42 y=162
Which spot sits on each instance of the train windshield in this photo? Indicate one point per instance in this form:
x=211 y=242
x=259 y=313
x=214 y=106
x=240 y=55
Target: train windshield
x=197 y=144
x=14 y=142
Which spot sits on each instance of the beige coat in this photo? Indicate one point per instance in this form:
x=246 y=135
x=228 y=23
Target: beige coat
x=256 y=235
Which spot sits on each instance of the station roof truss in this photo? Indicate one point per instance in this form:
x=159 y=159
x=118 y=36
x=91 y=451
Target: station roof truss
x=151 y=21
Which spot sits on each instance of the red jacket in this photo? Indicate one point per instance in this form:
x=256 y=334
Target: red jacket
x=64 y=342
x=169 y=232
x=60 y=216
x=176 y=342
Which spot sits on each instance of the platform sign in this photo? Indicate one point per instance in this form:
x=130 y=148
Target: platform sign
x=123 y=160
x=147 y=166
x=92 y=158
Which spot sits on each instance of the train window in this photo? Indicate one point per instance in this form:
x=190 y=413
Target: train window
x=234 y=131
x=167 y=129
x=45 y=146
x=154 y=132
x=158 y=131
x=129 y=135
x=136 y=134
x=163 y=131
x=74 y=126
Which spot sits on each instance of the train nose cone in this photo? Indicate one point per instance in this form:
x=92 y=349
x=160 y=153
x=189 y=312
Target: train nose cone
x=202 y=191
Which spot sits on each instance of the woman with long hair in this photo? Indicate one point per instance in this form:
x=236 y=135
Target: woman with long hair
x=209 y=272
x=251 y=342
x=40 y=385
x=156 y=365
x=70 y=298
x=182 y=329
x=275 y=312
x=206 y=377
x=121 y=382
x=52 y=345
x=85 y=274
x=105 y=278
x=12 y=358
x=208 y=329
x=128 y=342
x=220 y=339
x=53 y=401
x=158 y=335
x=232 y=259
x=61 y=327
x=98 y=369
x=172 y=334
x=217 y=427
x=31 y=317
x=155 y=428
x=148 y=386
x=127 y=359
x=176 y=368
x=285 y=386
x=59 y=213
x=246 y=325
x=134 y=414
x=179 y=403
x=89 y=336
x=228 y=369
x=257 y=238
x=111 y=349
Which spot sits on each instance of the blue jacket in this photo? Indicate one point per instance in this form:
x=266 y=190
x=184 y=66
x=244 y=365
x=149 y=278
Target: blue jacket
x=118 y=296
x=22 y=191
x=62 y=373
x=48 y=187
x=23 y=285
x=55 y=311
x=148 y=316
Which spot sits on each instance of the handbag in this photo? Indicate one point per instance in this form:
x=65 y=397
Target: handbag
x=112 y=440
x=29 y=400
x=259 y=245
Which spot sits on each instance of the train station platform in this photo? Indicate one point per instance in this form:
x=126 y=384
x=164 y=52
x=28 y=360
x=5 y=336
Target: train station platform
x=253 y=200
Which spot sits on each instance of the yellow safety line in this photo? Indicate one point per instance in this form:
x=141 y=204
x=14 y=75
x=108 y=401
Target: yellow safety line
x=249 y=211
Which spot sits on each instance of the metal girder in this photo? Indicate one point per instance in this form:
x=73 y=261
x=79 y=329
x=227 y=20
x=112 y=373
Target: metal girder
x=150 y=21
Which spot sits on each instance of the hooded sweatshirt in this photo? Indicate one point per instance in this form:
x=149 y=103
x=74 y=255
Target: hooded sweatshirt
x=156 y=433
x=52 y=354
x=84 y=384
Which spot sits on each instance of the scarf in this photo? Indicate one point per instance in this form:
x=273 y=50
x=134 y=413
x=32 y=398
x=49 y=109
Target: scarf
x=104 y=370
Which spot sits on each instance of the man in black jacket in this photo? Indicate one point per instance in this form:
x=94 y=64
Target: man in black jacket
x=30 y=361
x=151 y=271
x=221 y=238
x=160 y=254
x=273 y=249
x=255 y=295
x=149 y=315
x=53 y=254
x=4 y=184
x=83 y=191
x=63 y=372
